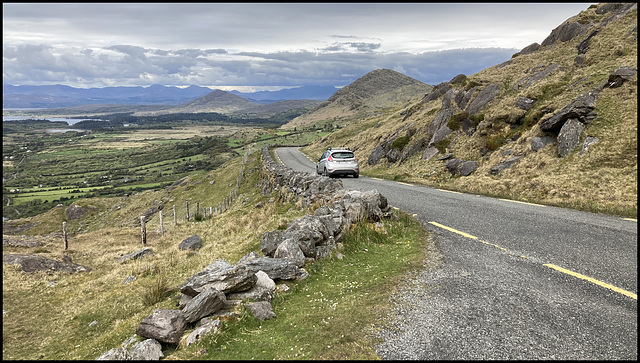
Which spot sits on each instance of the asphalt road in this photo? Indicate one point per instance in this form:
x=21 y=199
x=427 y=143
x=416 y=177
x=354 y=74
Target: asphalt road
x=509 y=280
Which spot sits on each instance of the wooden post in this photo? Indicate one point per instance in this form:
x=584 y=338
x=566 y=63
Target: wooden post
x=161 y=225
x=197 y=208
x=187 y=210
x=64 y=235
x=175 y=218
x=144 y=230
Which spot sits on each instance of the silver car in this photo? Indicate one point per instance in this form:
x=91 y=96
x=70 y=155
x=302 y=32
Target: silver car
x=338 y=161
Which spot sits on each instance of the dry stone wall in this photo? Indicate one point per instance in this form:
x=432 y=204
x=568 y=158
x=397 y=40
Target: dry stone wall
x=211 y=294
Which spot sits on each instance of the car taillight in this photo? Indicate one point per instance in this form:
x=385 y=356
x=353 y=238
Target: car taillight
x=355 y=158
x=330 y=158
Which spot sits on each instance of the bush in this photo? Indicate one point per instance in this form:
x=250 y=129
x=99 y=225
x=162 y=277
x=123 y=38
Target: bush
x=442 y=145
x=455 y=122
x=400 y=142
x=476 y=119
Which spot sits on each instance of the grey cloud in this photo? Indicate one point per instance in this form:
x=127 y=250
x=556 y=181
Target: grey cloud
x=134 y=65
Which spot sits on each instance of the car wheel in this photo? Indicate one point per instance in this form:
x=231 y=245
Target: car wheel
x=356 y=176
x=324 y=172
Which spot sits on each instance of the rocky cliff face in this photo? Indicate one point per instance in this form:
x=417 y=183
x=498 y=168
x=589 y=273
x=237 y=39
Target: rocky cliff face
x=525 y=128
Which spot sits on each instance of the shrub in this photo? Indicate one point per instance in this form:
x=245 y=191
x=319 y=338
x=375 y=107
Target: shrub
x=495 y=141
x=455 y=122
x=476 y=119
x=400 y=142
x=442 y=145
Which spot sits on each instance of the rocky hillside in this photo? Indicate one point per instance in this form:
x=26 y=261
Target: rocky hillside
x=556 y=124
x=372 y=92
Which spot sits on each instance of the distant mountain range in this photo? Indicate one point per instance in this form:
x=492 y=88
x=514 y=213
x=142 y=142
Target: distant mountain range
x=56 y=96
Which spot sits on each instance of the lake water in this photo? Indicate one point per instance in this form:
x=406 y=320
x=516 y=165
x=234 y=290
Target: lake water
x=69 y=121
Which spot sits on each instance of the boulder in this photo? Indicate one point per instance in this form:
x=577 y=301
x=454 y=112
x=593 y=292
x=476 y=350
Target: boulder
x=505 y=164
x=530 y=49
x=163 y=325
x=148 y=349
x=289 y=249
x=429 y=152
x=75 y=211
x=587 y=142
x=203 y=330
x=261 y=310
x=32 y=263
x=118 y=353
x=205 y=303
x=136 y=255
x=524 y=103
x=580 y=109
x=583 y=47
x=234 y=278
x=483 y=98
x=569 y=136
x=565 y=32
x=191 y=243
x=538 y=143
x=275 y=268
x=620 y=75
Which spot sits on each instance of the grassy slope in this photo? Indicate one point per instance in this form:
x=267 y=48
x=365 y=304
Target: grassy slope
x=48 y=315
x=603 y=180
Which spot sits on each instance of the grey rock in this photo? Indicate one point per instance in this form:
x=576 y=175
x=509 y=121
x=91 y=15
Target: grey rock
x=148 y=349
x=565 y=32
x=191 y=243
x=275 y=268
x=203 y=330
x=569 y=136
x=235 y=278
x=261 y=310
x=505 y=164
x=205 y=303
x=530 y=49
x=429 y=153
x=588 y=142
x=32 y=263
x=136 y=255
x=620 y=75
x=289 y=249
x=115 y=354
x=538 y=143
x=483 y=98
x=75 y=211
x=581 y=109
x=583 y=47
x=524 y=103
x=163 y=325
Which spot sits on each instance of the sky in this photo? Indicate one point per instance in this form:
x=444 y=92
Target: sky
x=263 y=46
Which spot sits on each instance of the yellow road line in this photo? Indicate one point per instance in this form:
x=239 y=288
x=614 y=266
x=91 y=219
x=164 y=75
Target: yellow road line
x=449 y=191
x=630 y=219
x=453 y=230
x=517 y=201
x=592 y=280
x=405 y=184
x=552 y=266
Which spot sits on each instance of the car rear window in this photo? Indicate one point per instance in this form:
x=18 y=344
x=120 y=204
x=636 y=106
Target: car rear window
x=343 y=155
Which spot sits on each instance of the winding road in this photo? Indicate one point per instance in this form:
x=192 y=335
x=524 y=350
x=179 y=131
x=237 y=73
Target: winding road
x=509 y=280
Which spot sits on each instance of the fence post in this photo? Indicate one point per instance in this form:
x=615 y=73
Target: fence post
x=175 y=218
x=187 y=210
x=197 y=208
x=144 y=230
x=64 y=235
x=161 y=225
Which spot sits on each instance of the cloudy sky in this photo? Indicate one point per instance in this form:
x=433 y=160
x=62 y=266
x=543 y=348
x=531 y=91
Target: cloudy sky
x=263 y=46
